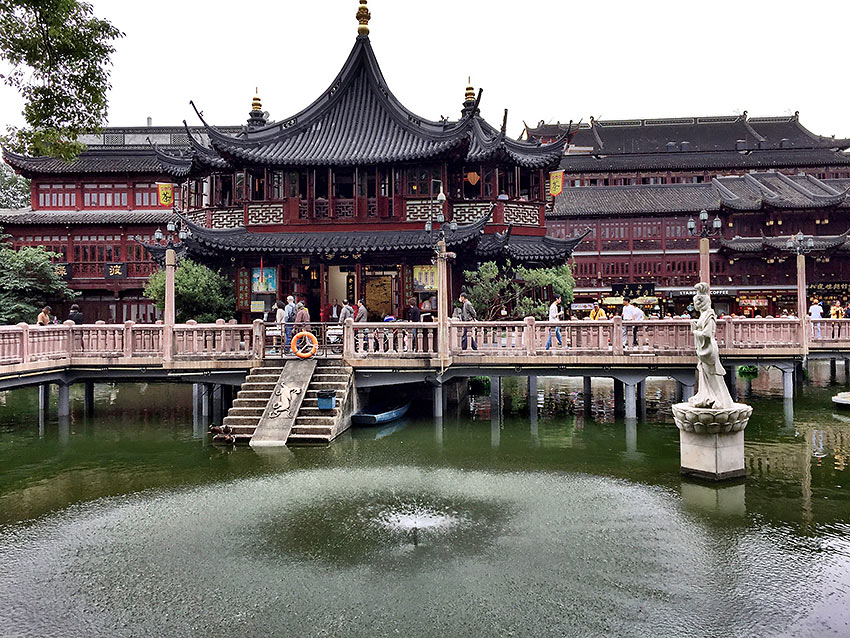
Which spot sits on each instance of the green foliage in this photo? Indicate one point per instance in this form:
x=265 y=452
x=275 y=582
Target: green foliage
x=200 y=293
x=59 y=55
x=14 y=190
x=28 y=283
x=748 y=372
x=492 y=288
x=479 y=386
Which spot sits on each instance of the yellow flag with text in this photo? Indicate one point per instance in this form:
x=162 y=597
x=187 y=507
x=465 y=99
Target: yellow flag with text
x=556 y=183
x=165 y=194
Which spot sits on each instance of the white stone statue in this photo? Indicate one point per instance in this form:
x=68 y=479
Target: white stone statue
x=711 y=425
x=713 y=392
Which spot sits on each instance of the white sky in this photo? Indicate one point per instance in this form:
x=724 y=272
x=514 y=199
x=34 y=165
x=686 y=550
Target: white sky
x=541 y=59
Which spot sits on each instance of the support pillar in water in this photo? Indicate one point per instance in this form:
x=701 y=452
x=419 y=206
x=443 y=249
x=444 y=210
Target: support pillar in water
x=438 y=401
x=43 y=398
x=495 y=393
x=587 y=394
x=88 y=399
x=217 y=401
x=630 y=400
x=207 y=400
x=64 y=402
x=788 y=383
x=619 y=398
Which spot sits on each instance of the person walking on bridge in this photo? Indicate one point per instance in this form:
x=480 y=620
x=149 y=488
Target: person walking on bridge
x=467 y=313
x=631 y=313
x=597 y=313
x=346 y=312
x=289 y=313
x=555 y=315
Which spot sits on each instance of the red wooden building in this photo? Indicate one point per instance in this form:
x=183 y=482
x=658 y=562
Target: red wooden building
x=346 y=198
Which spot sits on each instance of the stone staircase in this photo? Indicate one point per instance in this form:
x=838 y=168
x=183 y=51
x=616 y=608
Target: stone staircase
x=313 y=426
x=248 y=406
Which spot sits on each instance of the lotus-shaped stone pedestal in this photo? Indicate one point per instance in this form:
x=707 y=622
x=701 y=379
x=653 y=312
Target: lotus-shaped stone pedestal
x=711 y=441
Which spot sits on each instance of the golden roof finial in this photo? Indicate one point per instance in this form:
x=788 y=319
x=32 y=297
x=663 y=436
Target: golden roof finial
x=256 y=105
x=469 y=96
x=363 y=16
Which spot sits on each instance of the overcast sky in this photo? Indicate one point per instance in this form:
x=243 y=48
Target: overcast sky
x=541 y=59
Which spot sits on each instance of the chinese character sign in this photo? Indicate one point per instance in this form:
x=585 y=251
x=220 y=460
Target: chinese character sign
x=165 y=194
x=264 y=280
x=116 y=271
x=424 y=278
x=243 y=289
x=62 y=270
x=556 y=183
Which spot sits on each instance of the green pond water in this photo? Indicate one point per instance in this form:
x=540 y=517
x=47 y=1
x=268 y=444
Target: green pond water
x=509 y=524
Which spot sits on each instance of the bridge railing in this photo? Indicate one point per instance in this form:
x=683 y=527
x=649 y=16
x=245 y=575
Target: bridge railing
x=825 y=334
x=278 y=337
x=219 y=340
x=393 y=339
x=617 y=337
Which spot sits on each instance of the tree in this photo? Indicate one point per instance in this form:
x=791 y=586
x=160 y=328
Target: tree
x=28 y=282
x=200 y=293
x=59 y=54
x=492 y=288
x=14 y=190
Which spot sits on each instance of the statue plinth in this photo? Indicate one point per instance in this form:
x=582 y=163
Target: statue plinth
x=711 y=440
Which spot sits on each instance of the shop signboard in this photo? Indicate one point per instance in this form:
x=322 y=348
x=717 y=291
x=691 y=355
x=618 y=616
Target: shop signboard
x=633 y=290
x=753 y=303
x=115 y=271
x=581 y=306
x=714 y=292
x=258 y=305
x=62 y=270
x=424 y=278
x=824 y=289
x=265 y=283
x=243 y=289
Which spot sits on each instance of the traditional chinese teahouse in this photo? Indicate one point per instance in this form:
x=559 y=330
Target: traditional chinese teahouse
x=347 y=198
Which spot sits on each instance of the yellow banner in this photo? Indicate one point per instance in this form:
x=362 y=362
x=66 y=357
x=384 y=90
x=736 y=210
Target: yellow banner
x=556 y=183
x=165 y=192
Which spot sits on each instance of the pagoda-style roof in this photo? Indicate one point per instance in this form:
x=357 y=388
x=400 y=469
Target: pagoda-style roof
x=358 y=121
x=195 y=161
x=750 y=192
x=209 y=242
x=821 y=243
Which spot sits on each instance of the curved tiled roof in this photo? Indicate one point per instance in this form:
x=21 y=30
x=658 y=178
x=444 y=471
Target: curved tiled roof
x=112 y=160
x=197 y=161
x=206 y=241
x=29 y=217
x=753 y=191
x=529 y=250
x=730 y=160
x=358 y=121
x=778 y=244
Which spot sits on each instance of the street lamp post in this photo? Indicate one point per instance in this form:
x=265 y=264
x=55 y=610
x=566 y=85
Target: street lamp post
x=170 y=268
x=801 y=244
x=441 y=258
x=704 y=231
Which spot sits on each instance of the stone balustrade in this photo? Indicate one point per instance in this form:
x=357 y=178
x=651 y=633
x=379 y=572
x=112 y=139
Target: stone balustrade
x=364 y=344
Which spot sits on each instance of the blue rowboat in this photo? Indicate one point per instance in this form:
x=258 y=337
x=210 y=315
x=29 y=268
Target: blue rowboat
x=375 y=415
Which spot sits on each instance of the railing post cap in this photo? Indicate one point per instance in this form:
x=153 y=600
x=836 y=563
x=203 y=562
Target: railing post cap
x=68 y=322
x=100 y=322
x=129 y=323
x=530 y=320
x=158 y=322
x=23 y=324
x=349 y=321
x=191 y=322
x=220 y=322
x=257 y=322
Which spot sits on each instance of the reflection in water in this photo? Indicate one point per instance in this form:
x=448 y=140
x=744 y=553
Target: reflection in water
x=560 y=524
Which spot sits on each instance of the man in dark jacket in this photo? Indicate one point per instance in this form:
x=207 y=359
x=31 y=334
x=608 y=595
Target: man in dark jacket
x=75 y=315
x=467 y=313
x=414 y=315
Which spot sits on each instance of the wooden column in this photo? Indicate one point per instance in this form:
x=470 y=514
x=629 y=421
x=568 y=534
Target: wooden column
x=169 y=314
x=442 y=303
x=704 y=256
x=801 y=287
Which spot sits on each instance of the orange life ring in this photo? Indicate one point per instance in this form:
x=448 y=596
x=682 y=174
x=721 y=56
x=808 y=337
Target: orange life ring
x=304 y=354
